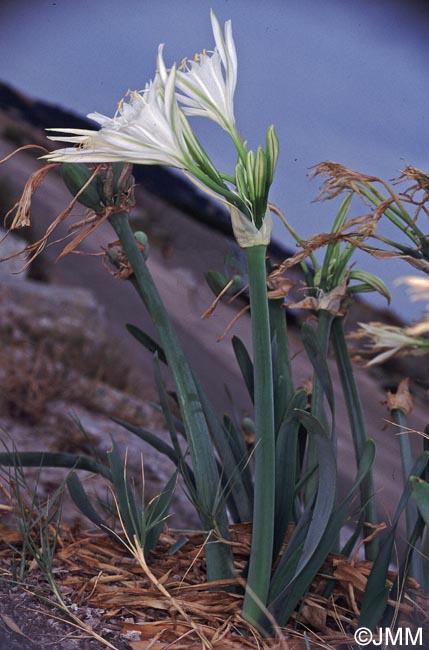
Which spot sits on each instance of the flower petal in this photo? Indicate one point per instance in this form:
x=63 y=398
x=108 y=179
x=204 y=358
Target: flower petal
x=146 y=129
x=206 y=87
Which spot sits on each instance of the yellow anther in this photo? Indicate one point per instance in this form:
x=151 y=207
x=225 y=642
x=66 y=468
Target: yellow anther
x=197 y=56
x=184 y=63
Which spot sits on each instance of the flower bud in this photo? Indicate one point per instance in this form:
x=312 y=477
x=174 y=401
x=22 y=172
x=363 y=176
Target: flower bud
x=143 y=241
x=75 y=175
x=272 y=151
x=261 y=191
x=250 y=167
x=241 y=181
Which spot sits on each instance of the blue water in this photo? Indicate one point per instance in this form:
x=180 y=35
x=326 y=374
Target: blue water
x=342 y=80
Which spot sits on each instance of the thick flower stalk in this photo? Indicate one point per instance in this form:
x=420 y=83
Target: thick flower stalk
x=152 y=127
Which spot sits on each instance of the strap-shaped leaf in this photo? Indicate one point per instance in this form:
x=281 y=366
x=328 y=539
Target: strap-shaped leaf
x=217 y=281
x=286 y=467
x=82 y=501
x=166 y=410
x=411 y=558
x=420 y=493
x=234 y=469
x=153 y=440
x=287 y=598
x=333 y=250
x=318 y=360
x=147 y=341
x=369 y=282
x=286 y=568
x=326 y=491
x=376 y=593
x=130 y=513
x=53 y=459
x=158 y=512
x=245 y=364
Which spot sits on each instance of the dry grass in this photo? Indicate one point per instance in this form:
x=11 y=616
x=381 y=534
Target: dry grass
x=167 y=603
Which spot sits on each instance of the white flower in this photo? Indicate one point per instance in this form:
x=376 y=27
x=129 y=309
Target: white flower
x=147 y=129
x=390 y=340
x=206 y=91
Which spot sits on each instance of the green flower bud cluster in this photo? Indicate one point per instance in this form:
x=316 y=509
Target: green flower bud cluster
x=112 y=185
x=254 y=175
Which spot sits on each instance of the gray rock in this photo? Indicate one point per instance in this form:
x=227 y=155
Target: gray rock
x=63 y=311
x=11 y=264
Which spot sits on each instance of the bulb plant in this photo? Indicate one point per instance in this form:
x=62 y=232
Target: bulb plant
x=288 y=488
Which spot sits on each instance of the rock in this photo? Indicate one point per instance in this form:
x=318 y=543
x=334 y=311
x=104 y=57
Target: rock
x=52 y=310
x=62 y=379
x=11 y=245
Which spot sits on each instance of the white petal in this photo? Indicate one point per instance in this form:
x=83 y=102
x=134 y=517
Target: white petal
x=75 y=131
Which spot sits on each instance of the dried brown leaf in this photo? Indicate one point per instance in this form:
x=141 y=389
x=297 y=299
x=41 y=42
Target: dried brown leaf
x=22 y=208
x=333 y=301
x=351 y=574
x=10 y=623
x=401 y=400
x=280 y=288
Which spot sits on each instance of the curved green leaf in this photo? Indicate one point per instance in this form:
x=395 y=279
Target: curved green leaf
x=245 y=364
x=372 y=282
x=420 y=493
x=53 y=459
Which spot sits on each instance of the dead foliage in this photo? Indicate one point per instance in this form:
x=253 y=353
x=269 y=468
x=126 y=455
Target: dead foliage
x=402 y=399
x=168 y=604
x=20 y=213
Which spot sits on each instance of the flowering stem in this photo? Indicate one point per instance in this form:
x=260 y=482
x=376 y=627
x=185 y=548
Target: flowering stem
x=213 y=185
x=211 y=508
x=317 y=398
x=397 y=215
x=264 y=496
x=282 y=371
x=400 y=419
x=357 y=425
x=241 y=149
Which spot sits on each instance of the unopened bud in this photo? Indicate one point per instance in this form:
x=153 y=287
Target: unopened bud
x=75 y=175
x=272 y=151
x=141 y=238
x=250 y=166
x=241 y=181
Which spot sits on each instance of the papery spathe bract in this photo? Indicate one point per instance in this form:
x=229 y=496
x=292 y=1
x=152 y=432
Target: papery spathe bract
x=245 y=231
x=207 y=83
x=147 y=129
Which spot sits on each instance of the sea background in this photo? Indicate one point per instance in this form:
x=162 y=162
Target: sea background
x=342 y=80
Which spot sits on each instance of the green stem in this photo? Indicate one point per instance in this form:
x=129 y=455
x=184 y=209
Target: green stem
x=399 y=418
x=264 y=498
x=211 y=509
x=239 y=145
x=393 y=212
x=282 y=372
x=358 y=427
x=317 y=399
x=323 y=334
